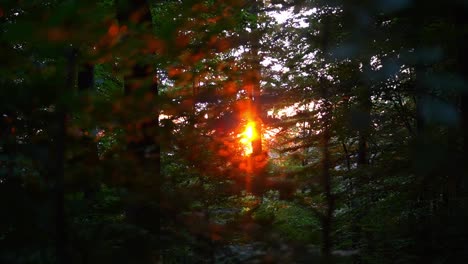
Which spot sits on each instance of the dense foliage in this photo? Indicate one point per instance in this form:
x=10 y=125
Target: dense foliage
x=232 y=131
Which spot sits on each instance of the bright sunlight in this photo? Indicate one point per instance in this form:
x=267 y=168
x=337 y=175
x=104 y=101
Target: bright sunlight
x=247 y=136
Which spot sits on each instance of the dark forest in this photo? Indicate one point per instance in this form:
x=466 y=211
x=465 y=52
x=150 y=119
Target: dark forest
x=233 y=131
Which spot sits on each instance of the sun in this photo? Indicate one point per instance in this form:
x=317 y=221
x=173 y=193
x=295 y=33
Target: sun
x=248 y=136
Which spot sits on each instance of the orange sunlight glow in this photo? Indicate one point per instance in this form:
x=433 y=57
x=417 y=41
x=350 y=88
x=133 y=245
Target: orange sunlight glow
x=247 y=136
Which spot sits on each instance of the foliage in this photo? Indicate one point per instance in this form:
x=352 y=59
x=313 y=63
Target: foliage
x=291 y=221
x=121 y=123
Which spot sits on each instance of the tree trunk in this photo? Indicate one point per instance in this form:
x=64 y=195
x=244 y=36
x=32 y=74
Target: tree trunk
x=364 y=128
x=327 y=218
x=255 y=79
x=327 y=108
x=85 y=80
x=461 y=20
x=364 y=108
x=58 y=166
x=258 y=156
x=146 y=149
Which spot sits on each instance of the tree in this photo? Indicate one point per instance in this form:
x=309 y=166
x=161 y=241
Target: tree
x=126 y=126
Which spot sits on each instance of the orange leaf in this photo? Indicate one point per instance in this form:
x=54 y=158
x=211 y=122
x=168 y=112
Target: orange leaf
x=223 y=45
x=182 y=41
x=230 y=88
x=174 y=72
x=113 y=30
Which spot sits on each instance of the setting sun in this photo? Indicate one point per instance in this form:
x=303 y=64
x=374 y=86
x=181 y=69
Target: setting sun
x=247 y=136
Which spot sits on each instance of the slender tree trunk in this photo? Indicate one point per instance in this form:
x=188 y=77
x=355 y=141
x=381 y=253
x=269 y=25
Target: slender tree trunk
x=255 y=79
x=58 y=168
x=461 y=19
x=61 y=226
x=327 y=218
x=327 y=242
x=85 y=80
x=327 y=109
x=258 y=157
x=364 y=108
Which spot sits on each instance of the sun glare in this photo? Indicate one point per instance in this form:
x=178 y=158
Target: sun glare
x=247 y=136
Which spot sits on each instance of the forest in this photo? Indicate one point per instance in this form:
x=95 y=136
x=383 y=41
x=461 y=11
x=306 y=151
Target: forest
x=233 y=131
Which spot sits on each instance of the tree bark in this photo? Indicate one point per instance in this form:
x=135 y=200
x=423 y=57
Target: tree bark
x=461 y=20
x=58 y=166
x=327 y=218
x=327 y=108
x=253 y=85
x=146 y=149
x=364 y=108
x=255 y=79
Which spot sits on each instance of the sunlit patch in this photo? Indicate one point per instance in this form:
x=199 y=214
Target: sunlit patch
x=248 y=136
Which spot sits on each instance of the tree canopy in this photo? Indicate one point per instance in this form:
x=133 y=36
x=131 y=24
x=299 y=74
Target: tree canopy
x=200 y=131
